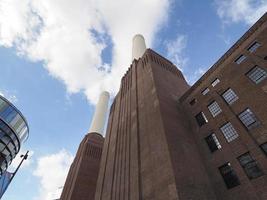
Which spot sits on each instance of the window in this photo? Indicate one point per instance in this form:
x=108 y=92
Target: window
x=248 y=118
x=229 y=176
x=192 y=102
x=256 y=74
x=213 y=142
x=240 y=59
x=201 y=119
x=229 y=132
x=215 y=82
x=250 y=166
x=214 y=108
x=204 y=92
x=230 y=96
x=264 y=148
x=253 y=47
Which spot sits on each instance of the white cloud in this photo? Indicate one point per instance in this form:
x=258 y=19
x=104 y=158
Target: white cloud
x=10 y=96
x=52 y=171
x=70 y=36
x=233 y=11
x=175 y=50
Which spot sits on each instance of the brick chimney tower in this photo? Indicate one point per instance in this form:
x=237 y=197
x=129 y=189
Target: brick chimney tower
x=82 y=177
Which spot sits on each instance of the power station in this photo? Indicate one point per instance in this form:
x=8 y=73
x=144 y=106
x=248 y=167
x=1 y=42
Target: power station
x=167 y=140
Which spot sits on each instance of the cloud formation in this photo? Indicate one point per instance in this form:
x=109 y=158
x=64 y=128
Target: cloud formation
x=69 y=37
x=175 y=51
x=233 y=11
x=52 y=171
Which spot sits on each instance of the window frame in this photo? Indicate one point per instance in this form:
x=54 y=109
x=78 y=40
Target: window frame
x=255 y=43
x=215 y=82
x=229 y=136
x=263 y=150
x=201 y=123
x=232 y=181
x=240 y=59
x=250 y=114
x=205 y=91
x=247 y=167
x=259 y=80
x=233 y=100
x=216 y=142
x=214 y=114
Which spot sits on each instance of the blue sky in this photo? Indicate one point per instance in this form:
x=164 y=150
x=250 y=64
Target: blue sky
x=56 y=56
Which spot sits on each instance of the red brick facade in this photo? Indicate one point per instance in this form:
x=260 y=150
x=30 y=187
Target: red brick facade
x=81 y=180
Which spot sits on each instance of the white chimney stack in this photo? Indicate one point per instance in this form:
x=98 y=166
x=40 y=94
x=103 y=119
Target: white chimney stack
x=99 y=119
x=139 y=46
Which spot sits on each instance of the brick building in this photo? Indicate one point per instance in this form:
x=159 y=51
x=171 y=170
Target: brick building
x=167 y=140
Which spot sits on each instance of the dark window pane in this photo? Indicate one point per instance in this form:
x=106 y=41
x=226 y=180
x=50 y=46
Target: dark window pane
x=192 y=102
x=264 y=148
x=229 y=176
x=201 y=119
x=253 y=47
x=213 y=142
x=250 y=166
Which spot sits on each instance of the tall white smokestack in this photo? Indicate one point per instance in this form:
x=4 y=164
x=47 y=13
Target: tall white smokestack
x=139 y=46
x=99 y=119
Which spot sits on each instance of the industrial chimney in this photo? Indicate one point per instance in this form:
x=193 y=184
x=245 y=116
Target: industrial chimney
x=99 y=119
x=82 y=177
x=139 y=46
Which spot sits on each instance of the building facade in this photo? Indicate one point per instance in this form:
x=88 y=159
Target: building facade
x=167 y=140
x=14 y=131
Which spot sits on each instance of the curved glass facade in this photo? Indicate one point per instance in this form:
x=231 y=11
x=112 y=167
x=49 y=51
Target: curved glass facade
x=13 y=131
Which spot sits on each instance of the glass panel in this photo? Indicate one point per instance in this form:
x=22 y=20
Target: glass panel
x=214 y=109
x=253 y=47
x=201 y=119
x=204 y=92
x=248 y=118
x=213 y=142
x=229 y=176
x=240 y=59
x=215 y=82
x=264 y=148
x=230 y=96
x=229 y=132
x=257 y=74
x=250 y=166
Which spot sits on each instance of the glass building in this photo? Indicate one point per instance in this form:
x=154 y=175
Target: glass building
x=14 y=131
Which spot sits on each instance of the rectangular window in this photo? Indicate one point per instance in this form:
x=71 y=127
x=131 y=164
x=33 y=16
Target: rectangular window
x=248 y=118
x=253 y=47
x=250 y=166
x=257 y=74
x=204 y=92
x=214 y=108
x=264 y=148
x=230 y=96
x=213 y=142
x=229 y=132
x=201 y=119
x=229 y=176
x=240 y=59
x=192 y=102
x=215 y=82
